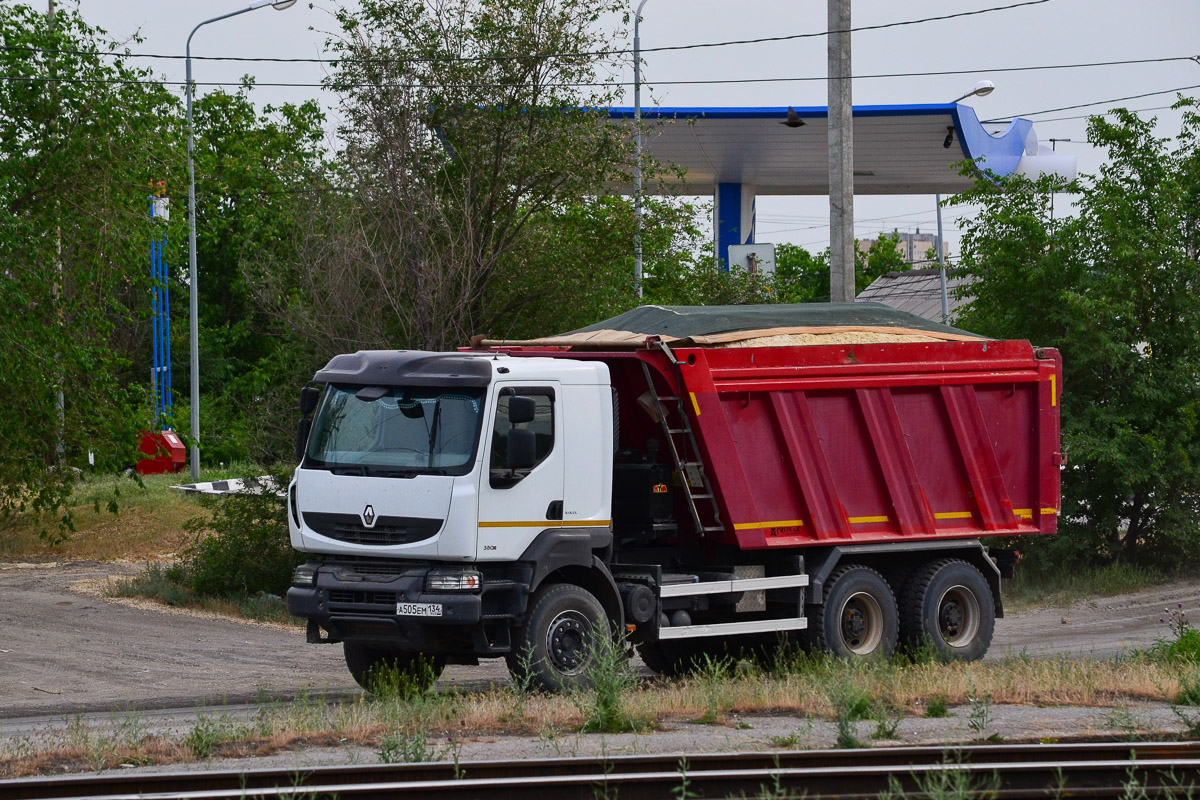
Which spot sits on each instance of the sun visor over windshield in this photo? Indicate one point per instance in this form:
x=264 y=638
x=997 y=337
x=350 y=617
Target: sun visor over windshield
x=406 y=368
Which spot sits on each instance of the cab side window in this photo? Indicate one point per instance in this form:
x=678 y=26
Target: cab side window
x=542 y=427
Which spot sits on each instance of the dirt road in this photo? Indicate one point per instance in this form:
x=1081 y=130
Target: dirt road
x=64 y=652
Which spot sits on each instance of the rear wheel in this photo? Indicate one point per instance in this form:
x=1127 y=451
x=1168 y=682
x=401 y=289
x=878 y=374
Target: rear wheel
x=376 y=669
x=859 y=619
x=565 y=628
x=948 y=604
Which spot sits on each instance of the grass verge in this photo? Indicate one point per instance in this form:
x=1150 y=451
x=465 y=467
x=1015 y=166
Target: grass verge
x=408 y=725
x=148 y=523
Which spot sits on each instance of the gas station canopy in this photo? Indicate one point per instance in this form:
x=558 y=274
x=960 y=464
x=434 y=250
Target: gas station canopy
x=902 y=149
x=739 y=153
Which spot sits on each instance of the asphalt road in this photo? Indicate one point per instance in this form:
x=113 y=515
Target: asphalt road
x=66 y=652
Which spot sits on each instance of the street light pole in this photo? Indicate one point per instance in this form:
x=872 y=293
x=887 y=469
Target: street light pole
x=193 y=294
x=981 y=89
x=637 y=138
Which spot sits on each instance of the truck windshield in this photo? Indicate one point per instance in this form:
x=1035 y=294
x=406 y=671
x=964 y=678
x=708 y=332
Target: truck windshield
x=395 y=431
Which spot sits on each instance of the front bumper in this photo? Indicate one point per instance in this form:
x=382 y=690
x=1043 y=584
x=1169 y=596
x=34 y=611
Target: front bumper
x=351 y=604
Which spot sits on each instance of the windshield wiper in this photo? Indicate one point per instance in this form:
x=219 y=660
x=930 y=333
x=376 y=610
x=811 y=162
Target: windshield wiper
x=348 y=470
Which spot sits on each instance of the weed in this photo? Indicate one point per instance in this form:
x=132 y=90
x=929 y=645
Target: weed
x=888 y=717
x=604 y=704
x=937 y=707
x=1189 y=687
x=683 y=791
x=1124 y=720
x=1182 y=642
x=850 y=704
x=979 y=718
x=1190 y=718
x=521 y=687
x=393 y=680
x=208 y=732
x=406 y=747
x=712 y=675
x=950 y=781
x=793 y=740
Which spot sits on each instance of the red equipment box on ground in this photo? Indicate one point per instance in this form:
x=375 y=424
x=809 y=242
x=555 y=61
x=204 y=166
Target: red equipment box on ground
x=163 y=452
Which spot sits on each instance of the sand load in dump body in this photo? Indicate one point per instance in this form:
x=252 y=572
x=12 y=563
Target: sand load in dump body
x=886 y=434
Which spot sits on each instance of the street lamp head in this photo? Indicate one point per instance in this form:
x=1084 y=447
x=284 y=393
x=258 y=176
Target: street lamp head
x=283 y=5
x=278 y=5
x=981 y=89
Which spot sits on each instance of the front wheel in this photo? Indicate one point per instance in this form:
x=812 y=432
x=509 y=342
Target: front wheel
x=859 y=619
x=564 y=631
x=379 y=670
x=949 y=604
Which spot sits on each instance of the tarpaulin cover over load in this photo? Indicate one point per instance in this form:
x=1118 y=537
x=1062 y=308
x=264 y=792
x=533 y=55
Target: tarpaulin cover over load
x=753 y=325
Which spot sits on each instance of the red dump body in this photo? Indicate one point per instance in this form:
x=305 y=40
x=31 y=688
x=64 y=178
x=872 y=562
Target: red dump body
x=861 y=443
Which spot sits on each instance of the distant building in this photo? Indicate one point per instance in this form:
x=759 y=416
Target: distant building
x=917 y=291
x=913 y=246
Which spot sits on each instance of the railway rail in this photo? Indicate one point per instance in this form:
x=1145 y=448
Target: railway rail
x=1002 y=772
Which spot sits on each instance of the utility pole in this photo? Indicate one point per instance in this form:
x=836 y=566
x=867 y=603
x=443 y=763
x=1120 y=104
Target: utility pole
x=941 y=255
x=841 y=157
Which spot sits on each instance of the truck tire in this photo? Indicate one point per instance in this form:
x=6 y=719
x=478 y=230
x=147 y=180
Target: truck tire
x=555 y=649
x=671 y=659
x=859 y=619
x=363 y=661
x=948 y=604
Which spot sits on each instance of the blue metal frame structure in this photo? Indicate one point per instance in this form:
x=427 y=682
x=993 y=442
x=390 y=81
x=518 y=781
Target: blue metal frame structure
x=161 y=303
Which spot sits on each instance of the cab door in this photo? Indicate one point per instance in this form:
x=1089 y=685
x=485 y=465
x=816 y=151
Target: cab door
x=517 y=501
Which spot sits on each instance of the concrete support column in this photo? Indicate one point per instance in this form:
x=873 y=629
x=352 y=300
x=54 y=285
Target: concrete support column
x=841 y=157
x=733 y=218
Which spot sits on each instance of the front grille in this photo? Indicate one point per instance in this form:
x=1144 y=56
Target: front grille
x=359 y=602
x=349 y=528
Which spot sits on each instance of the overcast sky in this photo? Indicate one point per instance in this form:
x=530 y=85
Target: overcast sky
x=1050 y=33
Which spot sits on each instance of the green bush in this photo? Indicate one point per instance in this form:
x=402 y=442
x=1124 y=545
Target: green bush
x=244 y=548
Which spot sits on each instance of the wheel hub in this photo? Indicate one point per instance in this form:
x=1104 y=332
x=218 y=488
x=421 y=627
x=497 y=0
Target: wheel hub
x=567 y=641
x=951 y=619
x=958 y=616
x=862 y=623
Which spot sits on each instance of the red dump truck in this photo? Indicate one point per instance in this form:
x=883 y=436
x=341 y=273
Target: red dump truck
x=698 y=479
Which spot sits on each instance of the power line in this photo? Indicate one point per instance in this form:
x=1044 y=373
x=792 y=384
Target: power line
x=597 y=84
x=597 y=53
x=1085 y=105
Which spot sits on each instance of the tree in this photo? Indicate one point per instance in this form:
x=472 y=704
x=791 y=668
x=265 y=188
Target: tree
x=80 y=138
x=465 y=121
x=1114 y=288
x=255 y=173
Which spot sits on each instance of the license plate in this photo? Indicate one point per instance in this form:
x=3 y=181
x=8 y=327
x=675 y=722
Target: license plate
x=419 y=609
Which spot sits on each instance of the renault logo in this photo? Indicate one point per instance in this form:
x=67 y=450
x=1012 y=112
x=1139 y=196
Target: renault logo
x=368 y=515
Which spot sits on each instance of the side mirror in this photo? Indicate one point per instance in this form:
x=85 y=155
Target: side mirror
x=521 y=409
x=302 y=431
x=522 y=447
x=308 y=399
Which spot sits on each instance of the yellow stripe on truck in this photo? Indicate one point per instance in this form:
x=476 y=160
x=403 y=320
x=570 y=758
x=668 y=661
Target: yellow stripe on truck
x=547 y=523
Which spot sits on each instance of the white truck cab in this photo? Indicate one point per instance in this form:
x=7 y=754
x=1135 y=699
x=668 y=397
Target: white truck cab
x=437 y=491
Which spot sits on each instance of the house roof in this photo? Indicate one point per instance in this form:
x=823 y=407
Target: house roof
x=916 y=291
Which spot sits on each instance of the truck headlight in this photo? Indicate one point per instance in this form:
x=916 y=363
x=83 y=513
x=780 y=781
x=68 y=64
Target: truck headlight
x=305 y=575
x=453 y=581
